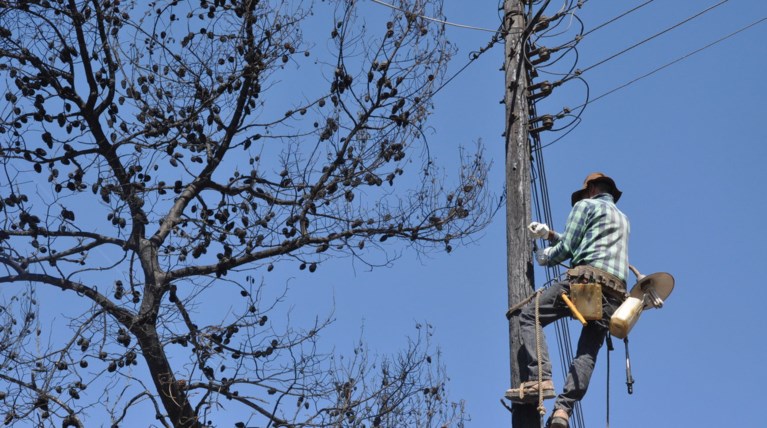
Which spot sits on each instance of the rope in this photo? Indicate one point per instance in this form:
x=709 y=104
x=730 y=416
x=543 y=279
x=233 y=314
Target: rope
x=541 y=409
x=525 y=301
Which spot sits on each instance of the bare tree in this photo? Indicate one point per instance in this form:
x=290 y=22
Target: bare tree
x=157 y=154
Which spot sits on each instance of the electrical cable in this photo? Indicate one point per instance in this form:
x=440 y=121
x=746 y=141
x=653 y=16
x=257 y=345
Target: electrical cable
x=440 y=21
x=581 y=3
x=542 y=207
x=575 y=124
x=577 y=120
x=543 y=211
x=652 y=37
x=567 y=46
x=542 y=204
x=604 y=24
x=531 y=22
x=676 y=60
x=473 y=56
x=545 y=34
x=554 y=61
x=558 y=18
x=583 y=34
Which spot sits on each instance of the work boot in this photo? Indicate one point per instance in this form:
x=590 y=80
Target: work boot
x=560 y=419
x=528 y=391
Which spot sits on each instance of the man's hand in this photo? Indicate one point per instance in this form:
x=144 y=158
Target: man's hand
x=542 y=256
x=539 y=230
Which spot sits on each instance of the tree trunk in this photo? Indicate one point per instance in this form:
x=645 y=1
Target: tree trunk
x=172 y=392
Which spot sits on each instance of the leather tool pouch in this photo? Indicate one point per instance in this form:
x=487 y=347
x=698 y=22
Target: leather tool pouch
x=587 y=299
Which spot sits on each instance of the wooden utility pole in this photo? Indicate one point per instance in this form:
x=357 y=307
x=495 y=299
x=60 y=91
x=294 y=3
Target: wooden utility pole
x=518 y=183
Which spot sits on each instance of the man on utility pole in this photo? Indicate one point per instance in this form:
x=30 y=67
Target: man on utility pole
x=596 y=241
x=518 y=182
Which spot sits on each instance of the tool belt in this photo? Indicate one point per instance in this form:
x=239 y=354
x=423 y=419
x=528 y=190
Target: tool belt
x=611 y=284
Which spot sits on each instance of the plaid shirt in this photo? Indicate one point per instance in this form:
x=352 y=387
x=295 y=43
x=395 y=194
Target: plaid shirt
x=597 y=234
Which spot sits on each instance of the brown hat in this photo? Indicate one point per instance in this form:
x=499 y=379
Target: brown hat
x=596 y=176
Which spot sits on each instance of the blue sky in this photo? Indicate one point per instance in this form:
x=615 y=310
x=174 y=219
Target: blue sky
x=686 y=146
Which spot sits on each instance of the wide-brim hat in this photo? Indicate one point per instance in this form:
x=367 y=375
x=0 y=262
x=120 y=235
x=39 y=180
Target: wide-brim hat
x=661 y=282
x=596 y=176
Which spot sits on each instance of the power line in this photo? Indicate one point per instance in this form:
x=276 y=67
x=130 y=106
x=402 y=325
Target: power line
x=604 y=24
x=571 y=45
x=473 y=56
x=653 y=36
x=539 y=147
x=497 y=34
x=542 y=204
x=428 y=18
x=759 y=21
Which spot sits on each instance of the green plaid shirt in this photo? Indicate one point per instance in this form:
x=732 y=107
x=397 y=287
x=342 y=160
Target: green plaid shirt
x=597 y=234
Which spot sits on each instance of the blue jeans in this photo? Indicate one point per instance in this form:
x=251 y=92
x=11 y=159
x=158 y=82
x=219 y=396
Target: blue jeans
x=552 y=308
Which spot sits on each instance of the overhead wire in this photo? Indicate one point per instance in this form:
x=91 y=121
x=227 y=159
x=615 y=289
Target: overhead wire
x=541 y=202
x=473 y=56
x=570 y=46
x=562 y=328
x=578 y=73
x=683 y=57
x=650 y=73
x=542 y=205
x=440 y=21
x=577 y=121
x=678 y=24
x=583 y=34
x=559 y=58
x=572 y=16
x=553 y=50
x=604 y=24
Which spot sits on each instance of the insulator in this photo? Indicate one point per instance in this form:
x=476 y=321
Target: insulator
x=545 y=90
x=544 y=118
x=539 y=85
x=535 y=51
x=543 y=55
x=547 y=122
x=541 y=24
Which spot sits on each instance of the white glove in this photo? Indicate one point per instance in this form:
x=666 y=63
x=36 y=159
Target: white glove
x=539 y=230
x=542 y=256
